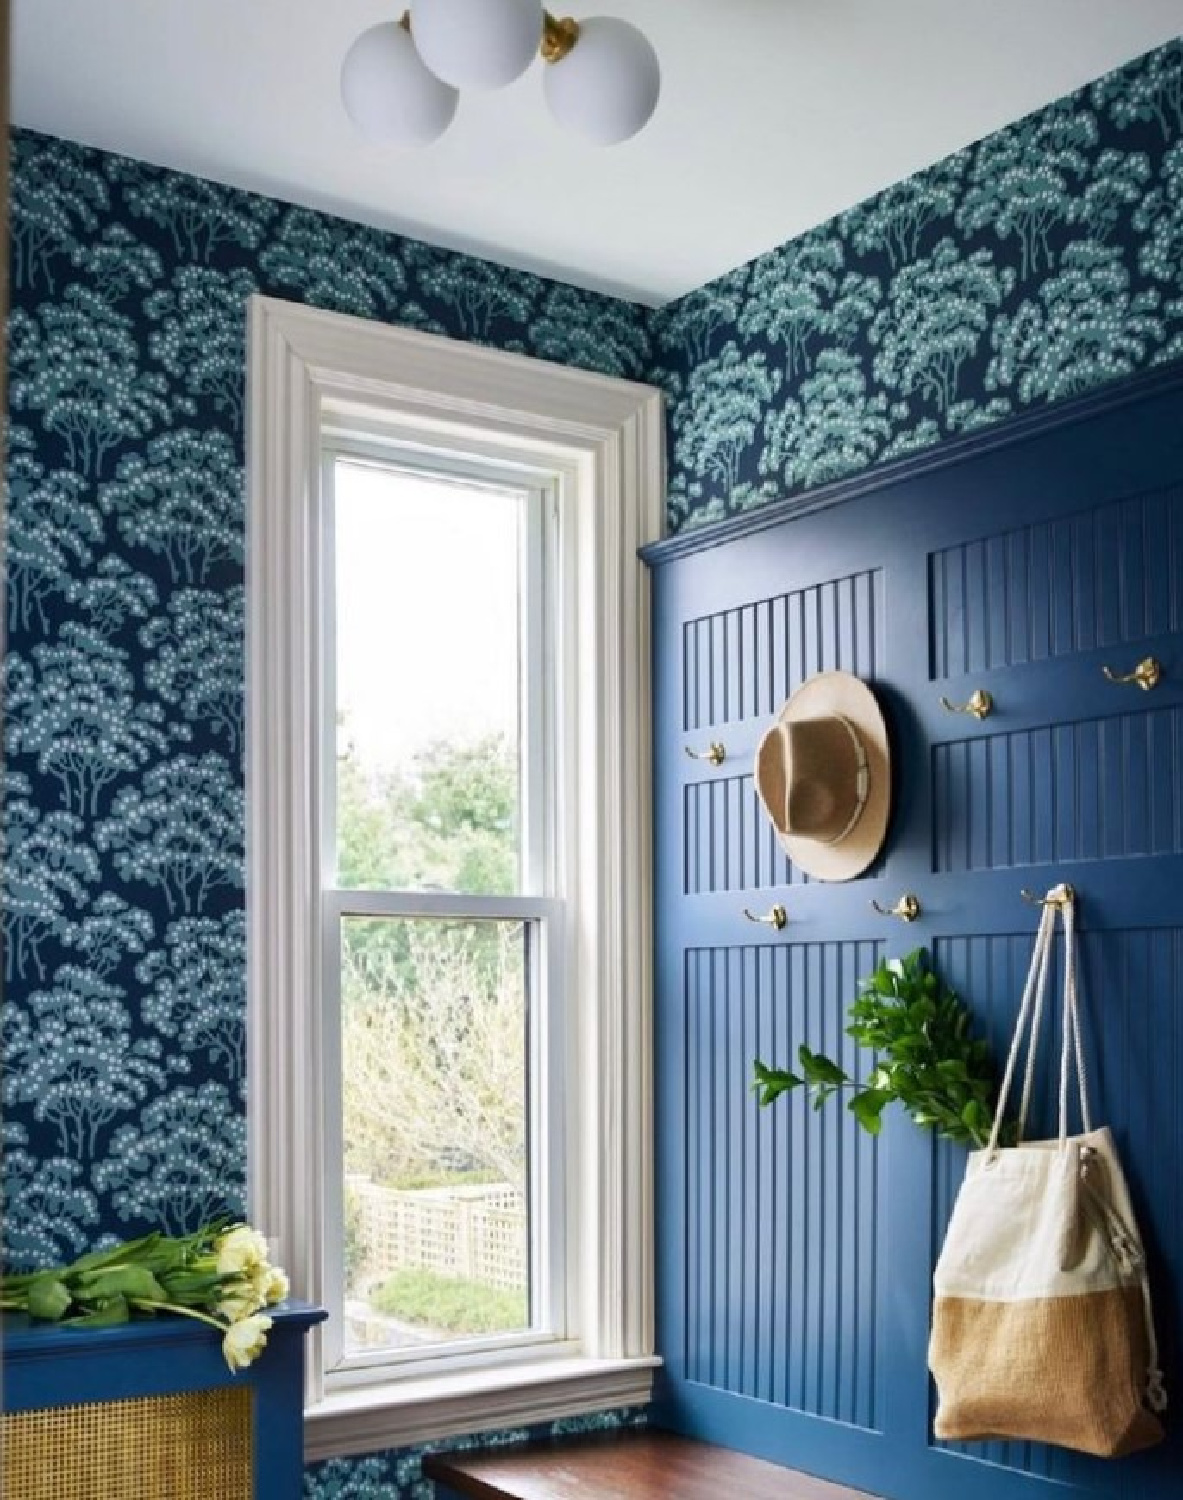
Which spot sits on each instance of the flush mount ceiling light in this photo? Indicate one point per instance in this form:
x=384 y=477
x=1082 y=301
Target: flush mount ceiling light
x=400 y=80
x=389 y=92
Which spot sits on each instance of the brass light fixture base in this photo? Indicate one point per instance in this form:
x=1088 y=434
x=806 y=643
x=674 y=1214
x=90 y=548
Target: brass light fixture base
x=558 y=37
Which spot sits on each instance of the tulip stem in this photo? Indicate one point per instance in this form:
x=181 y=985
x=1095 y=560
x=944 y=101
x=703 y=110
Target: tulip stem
x=185 y=1312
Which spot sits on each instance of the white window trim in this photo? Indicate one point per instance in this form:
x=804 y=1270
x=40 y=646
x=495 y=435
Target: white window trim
x=608 y=436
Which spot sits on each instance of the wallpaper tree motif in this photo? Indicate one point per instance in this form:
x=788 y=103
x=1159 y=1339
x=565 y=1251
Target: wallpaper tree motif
x=1044 y=260
x=124 y=1031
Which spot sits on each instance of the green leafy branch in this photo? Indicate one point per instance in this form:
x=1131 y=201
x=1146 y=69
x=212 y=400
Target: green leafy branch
x=927 y=1057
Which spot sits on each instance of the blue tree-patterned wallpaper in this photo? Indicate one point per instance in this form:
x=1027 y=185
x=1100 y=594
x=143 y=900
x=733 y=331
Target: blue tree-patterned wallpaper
x=124 y=1068
x=123 y=1086
x=398 y=1475
x=1041 y=261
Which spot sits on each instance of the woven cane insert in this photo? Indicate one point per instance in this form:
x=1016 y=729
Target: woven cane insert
x=188 y=1447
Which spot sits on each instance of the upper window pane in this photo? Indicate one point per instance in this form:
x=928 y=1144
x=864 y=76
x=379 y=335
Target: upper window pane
x=429 y=652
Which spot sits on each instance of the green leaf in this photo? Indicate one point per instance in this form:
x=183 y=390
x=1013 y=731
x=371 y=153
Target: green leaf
x=104 y=1314
x=867 y=1106
x=121 y=1281
x=926 y=1056
x=190 y=1288
x=769 y=1084
x=47 y=1297
x=818 y=1068
x=129 y=1250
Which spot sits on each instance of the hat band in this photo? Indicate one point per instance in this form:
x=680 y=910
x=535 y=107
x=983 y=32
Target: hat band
x=862 y=782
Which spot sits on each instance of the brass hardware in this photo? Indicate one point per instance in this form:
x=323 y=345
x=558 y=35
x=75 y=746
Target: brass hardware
x=714 y=753
x=558 y=37
x=777 y=917
x=980 y=705
x=907 y=908
x=1147 y=674
x=405 y=21
x=1059 y=895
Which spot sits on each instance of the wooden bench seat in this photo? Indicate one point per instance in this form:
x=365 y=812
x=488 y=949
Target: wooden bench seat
x=646 y=1465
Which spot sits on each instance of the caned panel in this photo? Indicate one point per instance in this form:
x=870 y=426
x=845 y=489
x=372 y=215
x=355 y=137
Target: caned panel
x=742 y=663
x=783 y=1229
x=1131 y=987
x=1100 y=789
x=196 y=1446
x=1102 y=577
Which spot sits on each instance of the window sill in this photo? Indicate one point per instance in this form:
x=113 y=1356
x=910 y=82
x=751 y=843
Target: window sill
x=397 y=1414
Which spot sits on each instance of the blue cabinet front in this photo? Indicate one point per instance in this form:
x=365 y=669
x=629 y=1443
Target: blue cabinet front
x=47 y=1366
x=796 y=1252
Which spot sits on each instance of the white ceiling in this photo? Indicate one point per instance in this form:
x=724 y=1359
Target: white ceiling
x=775 y=114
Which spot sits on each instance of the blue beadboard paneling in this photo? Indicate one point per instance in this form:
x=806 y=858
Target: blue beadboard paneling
x=742 y=663
x=1072 y=777
x=1095 y=790
x=782 y=1272
x=1109 y=576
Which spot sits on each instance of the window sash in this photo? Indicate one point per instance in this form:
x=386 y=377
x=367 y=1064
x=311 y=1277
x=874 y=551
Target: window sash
x=539 y=711
x=552 y=1294
x=546 y=1048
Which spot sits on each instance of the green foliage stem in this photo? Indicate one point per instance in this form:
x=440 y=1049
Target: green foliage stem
x=927 y=1058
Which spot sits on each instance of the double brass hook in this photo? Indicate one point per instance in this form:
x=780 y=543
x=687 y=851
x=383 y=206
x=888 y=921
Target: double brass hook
x=1059 y=895
x=1147 y=674
x=907 y=908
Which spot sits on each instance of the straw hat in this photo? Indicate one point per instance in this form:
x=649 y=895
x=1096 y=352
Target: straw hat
x=823 y=773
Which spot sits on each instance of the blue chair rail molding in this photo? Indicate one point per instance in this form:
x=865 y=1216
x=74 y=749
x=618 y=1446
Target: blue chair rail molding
x=1038 y=563
x=47 y=1367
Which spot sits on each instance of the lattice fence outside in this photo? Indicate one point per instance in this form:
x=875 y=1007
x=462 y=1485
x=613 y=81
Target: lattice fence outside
x=475 y=1233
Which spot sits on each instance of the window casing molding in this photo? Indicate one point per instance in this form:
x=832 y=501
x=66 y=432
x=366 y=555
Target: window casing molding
x=604 y=437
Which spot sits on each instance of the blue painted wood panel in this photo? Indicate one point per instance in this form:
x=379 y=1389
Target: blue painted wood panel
x=1107 y=576
x=742 y=662
x=50 y=1365
x=1105 y=788
x=782 y=1251
x=1024 y=569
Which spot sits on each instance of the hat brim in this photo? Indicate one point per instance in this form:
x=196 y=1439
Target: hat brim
x=842 y=693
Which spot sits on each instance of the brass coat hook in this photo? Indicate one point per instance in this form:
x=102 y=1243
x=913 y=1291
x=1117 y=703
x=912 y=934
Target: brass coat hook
x=980 y=704
x=1147 y=674
x=1059 y=895
x=714 y=753
x=777 y=917
x=907 y=908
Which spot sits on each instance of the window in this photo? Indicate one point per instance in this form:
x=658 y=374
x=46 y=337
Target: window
x=448 y=872
x=442 y=910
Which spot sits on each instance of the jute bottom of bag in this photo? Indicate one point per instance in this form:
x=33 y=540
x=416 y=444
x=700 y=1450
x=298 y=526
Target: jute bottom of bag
x=1040 y=1320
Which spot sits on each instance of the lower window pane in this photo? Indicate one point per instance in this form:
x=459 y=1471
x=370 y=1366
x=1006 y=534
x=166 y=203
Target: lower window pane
x=434 y=1018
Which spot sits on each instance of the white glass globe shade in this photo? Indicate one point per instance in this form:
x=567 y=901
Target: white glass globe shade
x=389 y=94
x=477 y=44
x=607 y=86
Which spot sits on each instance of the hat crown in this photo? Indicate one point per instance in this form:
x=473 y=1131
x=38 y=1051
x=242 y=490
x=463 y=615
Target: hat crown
x=823 y=775
x=813 y=777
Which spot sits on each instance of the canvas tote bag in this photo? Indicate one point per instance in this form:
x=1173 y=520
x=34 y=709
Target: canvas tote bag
x=1042 y=1324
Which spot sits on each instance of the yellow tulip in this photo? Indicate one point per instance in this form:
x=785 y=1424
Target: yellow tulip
x=245 y=1341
